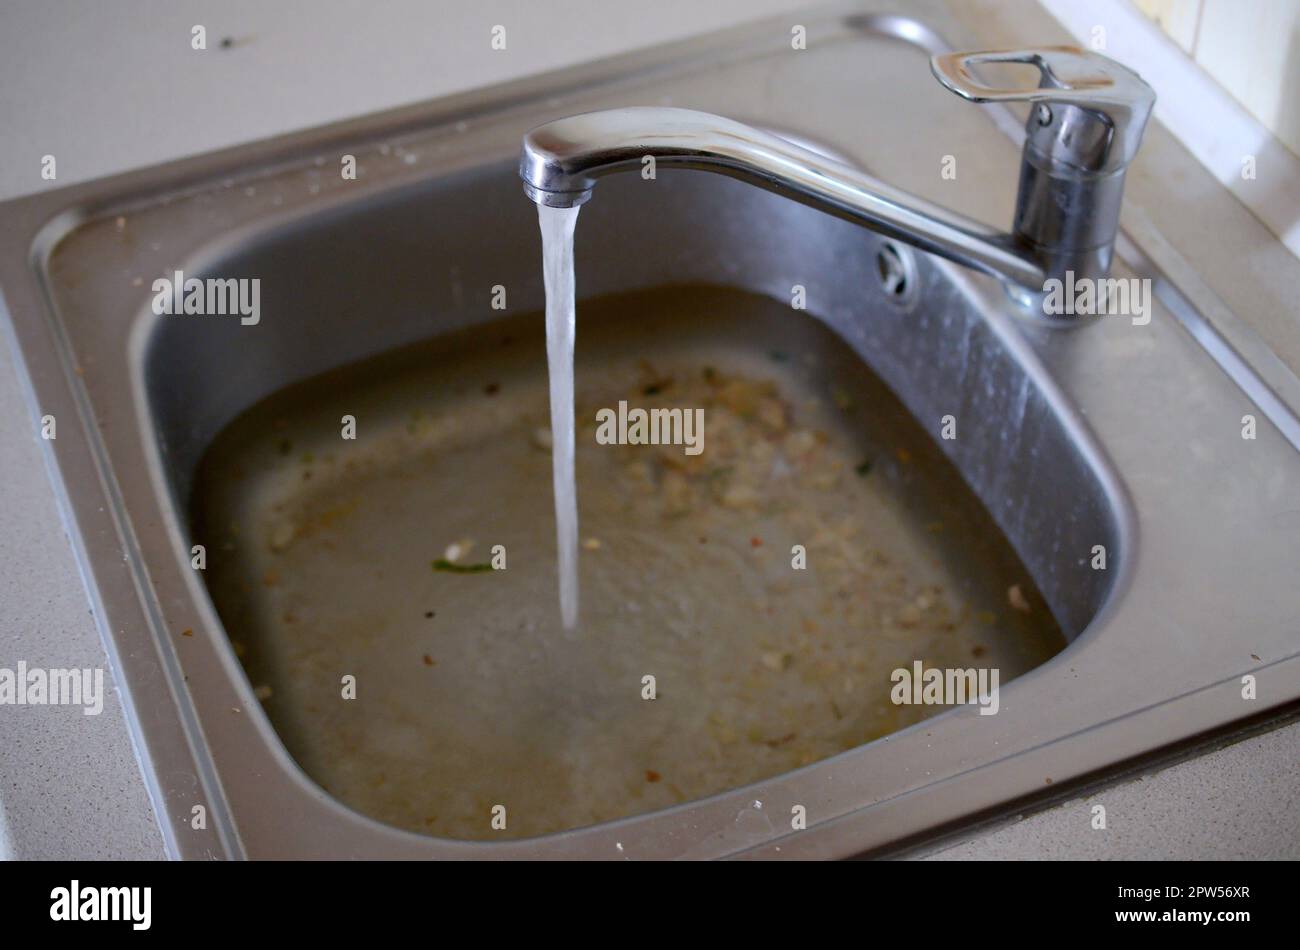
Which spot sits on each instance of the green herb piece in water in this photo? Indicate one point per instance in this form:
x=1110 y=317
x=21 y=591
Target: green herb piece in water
x=448 y=567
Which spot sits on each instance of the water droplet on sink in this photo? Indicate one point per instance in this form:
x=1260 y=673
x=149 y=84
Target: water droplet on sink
x=753 y=821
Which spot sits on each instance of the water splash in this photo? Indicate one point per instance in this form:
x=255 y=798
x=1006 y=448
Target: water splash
x=557 y=271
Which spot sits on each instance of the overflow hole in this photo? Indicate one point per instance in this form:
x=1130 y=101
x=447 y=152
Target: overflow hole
x=894 y=272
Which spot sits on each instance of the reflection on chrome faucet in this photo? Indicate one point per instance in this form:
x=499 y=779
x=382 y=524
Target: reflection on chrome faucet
x=1084 y=130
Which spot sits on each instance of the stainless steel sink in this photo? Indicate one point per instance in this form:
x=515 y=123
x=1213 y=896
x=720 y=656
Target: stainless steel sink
x=1108 y=435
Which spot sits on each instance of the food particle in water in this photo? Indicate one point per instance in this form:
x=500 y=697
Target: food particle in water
x=282 y=535
x=677 y=493
x=740 y=496
x=772 y=414
x=1016 y=598
x=777 y=661
x=458 y=549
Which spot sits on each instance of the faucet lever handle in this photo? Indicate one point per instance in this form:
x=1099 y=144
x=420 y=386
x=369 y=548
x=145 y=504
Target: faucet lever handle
x=1093 y=89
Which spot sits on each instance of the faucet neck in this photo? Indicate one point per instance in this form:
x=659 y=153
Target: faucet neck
x=1083 y=131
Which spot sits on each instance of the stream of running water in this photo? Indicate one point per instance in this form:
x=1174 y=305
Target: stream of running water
x=557 y=271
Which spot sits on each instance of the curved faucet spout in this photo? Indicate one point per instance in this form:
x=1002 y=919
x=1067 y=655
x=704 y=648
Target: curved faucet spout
x=562 y=161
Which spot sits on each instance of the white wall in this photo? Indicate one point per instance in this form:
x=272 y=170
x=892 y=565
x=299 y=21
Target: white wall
x=1250 y=47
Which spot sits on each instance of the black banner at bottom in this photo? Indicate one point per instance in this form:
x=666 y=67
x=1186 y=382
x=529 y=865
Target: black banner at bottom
x=620 y=901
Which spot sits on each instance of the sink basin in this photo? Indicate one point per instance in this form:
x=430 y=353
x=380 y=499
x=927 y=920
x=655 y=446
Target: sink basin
x=1099 y=470
x=322 y=551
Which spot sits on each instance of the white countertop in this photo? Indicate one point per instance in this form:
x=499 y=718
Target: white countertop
x=108 y=87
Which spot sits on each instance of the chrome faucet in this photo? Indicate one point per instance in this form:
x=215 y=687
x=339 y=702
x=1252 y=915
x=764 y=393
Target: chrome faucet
x=1086 y=122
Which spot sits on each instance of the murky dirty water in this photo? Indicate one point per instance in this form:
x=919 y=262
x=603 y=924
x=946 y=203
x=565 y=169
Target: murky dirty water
x=370 y=558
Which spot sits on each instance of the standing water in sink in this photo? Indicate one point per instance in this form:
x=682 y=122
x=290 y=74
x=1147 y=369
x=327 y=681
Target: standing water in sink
x=471 y=695
x=557 y=271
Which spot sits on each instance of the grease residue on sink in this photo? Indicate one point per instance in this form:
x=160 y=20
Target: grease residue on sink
x=469 y=696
